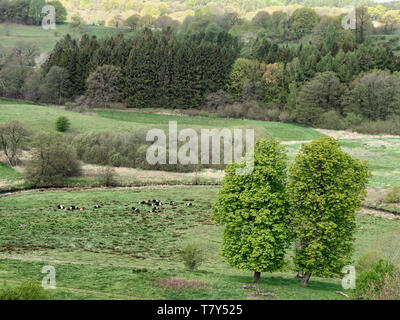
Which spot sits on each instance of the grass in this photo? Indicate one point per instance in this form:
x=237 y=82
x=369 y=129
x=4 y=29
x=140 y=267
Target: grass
x=102 y=120
x=45 y=39
x=113 y=253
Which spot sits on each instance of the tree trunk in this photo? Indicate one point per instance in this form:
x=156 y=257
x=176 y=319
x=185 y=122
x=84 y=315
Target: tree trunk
x=256 y=277
x=305 y=279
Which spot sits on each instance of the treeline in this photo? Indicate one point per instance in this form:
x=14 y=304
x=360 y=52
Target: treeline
x=157 y=69
x=29 y=11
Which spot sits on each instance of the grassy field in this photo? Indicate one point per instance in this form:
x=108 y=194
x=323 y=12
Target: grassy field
x=112 y=253
x=10 y=34
x=102 y=120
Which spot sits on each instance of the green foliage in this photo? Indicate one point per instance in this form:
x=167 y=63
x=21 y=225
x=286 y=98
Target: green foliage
x=52 y=160
x=61 y=11
x=393 y=195
x=331 y=120
x=326 y=186
x=27 y=290
x=303 y=20
x=192 y=256
x=373 y=281
x=62 y=124
x=35 y=10
x=254 y=210
x=242 y=70
x=319 y=95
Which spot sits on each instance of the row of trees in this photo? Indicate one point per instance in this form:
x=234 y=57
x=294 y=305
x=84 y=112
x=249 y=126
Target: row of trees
x=312 y=206
x=153 y=69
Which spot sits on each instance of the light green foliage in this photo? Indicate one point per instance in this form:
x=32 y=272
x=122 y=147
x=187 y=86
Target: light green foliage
x=393 y=195
x=326 y=186
x=35 y=9
x=242 y=70
x=254 y=210
x=377 y=282
x=27 y=290
x=192 y=256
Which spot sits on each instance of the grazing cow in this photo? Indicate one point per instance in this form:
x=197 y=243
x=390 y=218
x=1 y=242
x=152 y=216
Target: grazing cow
x=97 y=206
x=61 y=207
x=135 y=209
x=142 y=202
x=82 y=209
x=189 y=204
x=172 y=203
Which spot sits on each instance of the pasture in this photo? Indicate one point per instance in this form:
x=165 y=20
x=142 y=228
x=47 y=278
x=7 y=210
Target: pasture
x=10 y=34
x=113 y=253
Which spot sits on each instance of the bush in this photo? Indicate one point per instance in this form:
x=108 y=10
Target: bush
x=330 y=120
x=393 y=195
x=62 y=124
x=391 y=126
x=380 y=281
x=352 y=120
x=106 y=176
x=27 y=290
x=192 y=256
x=53 y=160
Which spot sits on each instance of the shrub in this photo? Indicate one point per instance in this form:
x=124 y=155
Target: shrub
x=52 y=160
x=217 y=99
x=106 y=176
x=381 y=279
x=27 y=290
x=330 y=120
x=192 y=256
x=352 y=120
x=393 y=195
x=62 y=124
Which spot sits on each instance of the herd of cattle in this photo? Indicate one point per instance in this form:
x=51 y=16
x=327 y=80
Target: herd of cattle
x=154 y=204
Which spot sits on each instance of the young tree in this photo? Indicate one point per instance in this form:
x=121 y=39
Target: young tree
x=326 y=186
x=53 y=159
x=254 y=210
x=13 y=137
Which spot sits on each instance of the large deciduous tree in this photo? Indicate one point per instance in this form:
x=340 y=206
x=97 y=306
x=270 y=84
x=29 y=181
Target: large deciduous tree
x=319 y=95
x=254 y=210
x=326 y=186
